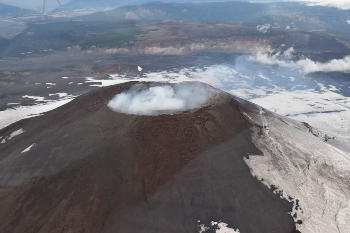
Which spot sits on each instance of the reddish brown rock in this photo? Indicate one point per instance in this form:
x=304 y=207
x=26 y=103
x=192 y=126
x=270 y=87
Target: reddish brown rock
x=96 y=170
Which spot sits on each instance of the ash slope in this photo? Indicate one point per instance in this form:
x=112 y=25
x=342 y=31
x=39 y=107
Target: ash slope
x=86 y=168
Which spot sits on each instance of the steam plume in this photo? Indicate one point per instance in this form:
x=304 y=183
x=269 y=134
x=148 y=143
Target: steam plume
x=336 y=65
x=162 y=99
x=305 y=66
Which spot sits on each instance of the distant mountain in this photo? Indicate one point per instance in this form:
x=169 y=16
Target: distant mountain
x=276 y=14
x=7 y=10
x=99 y=4
x=224 y=11
x=3 y=43
x=59 y=36
x=80 y=4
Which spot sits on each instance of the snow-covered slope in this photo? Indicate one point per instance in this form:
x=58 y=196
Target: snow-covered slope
x=311 y=173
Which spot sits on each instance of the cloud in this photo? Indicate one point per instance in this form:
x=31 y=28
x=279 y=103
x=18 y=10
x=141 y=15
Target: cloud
x=263 y=28
x=305 y=66
x=162 y=99
x=341 y=4
x=336 y=65
x=270 y=57
x=348 y=21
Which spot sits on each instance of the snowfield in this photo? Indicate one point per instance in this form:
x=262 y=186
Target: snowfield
x=316 y=175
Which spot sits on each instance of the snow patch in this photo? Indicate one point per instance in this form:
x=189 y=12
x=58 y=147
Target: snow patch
x=260 y=75
x=36 y=98
x=16 y=133
x=60 y=95
x=203 y=228
x=303 y=167
x=219 y=227
x=327 y=111
x=12 y=135
x=28 y=148
x=12 y=115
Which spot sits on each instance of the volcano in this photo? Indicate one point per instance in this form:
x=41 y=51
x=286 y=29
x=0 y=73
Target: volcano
x=226 y=165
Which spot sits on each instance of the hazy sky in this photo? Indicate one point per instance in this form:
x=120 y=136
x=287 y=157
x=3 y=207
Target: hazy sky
x=33 y=4
x=37 y=4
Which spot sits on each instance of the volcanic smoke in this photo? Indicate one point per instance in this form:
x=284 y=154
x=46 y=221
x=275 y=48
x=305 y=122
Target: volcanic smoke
x=161 y=99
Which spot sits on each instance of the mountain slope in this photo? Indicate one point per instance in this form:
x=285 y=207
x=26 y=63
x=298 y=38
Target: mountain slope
x=95 y=170
x=86 y=168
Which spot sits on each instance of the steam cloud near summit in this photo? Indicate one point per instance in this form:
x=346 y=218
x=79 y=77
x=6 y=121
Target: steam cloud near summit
x=305 y=66
x=263 y=28
x=155 y=100
x=341 y=4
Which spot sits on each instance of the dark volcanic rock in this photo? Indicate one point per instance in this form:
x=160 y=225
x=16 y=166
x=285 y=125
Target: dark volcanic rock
x=96 y=170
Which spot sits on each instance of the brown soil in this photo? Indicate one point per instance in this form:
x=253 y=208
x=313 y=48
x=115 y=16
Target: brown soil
x=96 y=170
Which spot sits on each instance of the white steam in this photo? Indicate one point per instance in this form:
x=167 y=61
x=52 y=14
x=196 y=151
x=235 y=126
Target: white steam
x=305 y=66
x=163 y=99
x=336 y=65
x=270 y=57
x=341 y=4
x=219 y=227
x=263 y=28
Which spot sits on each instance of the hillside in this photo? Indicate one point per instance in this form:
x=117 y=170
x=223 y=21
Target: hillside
x=88 y=169
x=11 y=11
x=276 y=14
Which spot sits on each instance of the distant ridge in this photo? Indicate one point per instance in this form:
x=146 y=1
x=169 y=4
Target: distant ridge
x=278 y=14
x=12 y=11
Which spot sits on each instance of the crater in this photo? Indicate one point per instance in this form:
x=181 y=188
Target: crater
x=161 y=98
